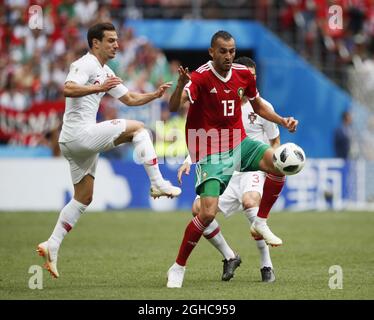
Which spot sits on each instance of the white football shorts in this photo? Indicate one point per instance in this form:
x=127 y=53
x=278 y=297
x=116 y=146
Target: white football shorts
x=83 y=153
x=231 y=200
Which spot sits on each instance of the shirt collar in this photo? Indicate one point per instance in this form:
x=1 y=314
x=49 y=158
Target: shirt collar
x=227 y=78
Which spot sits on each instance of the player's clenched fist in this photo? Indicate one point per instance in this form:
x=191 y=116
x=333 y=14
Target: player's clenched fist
x=290 y=123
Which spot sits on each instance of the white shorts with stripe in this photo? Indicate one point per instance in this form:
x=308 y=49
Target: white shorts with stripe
x=83 y=153
x=230 y=201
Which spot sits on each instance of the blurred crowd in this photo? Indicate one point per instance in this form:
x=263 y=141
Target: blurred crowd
x=34 y=62
x=333 y=34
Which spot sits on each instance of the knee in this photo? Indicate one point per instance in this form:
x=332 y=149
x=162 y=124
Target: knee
x=207 y=217
x=266 y=164
x=208 y=209
x=251 y=200
x=138 y=127
x=85 y=199
x=249 y=203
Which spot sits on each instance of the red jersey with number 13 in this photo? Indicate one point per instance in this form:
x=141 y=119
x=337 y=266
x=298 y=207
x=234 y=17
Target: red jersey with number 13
x=214 y=121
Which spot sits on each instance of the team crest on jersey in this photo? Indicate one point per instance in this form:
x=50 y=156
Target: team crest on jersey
x=205 y=174
x=240 y=92
x=252 y=117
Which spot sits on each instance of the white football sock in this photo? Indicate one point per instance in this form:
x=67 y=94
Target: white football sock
x=259 y=220
x=69 y=216
x=146 y=155
x=218 y=241
x=265 y=259
x=263 y=248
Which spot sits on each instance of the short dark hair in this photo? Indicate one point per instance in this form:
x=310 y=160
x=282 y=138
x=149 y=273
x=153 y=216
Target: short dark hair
x=97 y=31
x=246 y=61
x=220 y=34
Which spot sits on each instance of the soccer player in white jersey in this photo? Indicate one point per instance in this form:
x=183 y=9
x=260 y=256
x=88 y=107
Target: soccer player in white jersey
x=244 y=191
x=82 y=139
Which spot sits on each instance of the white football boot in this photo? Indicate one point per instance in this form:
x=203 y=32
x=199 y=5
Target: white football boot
x=259 y=230
x=50 y=258
x=165 y=189
x=175 y=276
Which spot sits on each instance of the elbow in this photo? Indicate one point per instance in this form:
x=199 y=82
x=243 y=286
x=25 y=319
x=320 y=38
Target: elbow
x=67 y=92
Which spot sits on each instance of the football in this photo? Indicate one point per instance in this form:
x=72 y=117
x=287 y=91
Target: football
x=289 y=158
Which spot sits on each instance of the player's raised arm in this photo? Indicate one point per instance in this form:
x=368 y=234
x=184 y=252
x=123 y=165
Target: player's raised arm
x=137 y=99
x=267 y=113
x=75 y=90
x=179 y=96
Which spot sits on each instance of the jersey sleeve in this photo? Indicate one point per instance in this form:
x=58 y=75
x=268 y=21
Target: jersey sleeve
x=251 y=90
x=119 y=90
x=192 y=87
x=271 y=129
x=78 y=73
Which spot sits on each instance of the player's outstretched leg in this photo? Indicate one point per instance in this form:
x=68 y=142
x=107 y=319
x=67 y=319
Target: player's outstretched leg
x=231 y=260
x=146 y=153
x=273 y=186
x=266 y=269
x=192 y=236
x=215 y=237
x=69 y=215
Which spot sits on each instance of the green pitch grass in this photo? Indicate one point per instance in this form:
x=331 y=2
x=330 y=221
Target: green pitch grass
x=126 y=256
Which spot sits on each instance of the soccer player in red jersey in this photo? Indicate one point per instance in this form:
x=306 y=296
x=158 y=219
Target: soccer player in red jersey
x=217 y=141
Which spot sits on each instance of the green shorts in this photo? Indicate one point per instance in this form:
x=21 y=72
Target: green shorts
x=220 y=166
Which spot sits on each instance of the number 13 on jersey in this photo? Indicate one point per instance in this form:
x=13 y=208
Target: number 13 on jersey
x=228 y=107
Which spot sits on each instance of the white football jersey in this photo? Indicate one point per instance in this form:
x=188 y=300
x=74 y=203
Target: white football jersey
x=256 y=127
x=82 y=111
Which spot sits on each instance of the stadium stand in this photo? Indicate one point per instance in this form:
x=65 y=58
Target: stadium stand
x=33 y=63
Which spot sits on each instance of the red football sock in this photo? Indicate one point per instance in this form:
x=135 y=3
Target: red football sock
x=192 y=235
x=272 y=188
